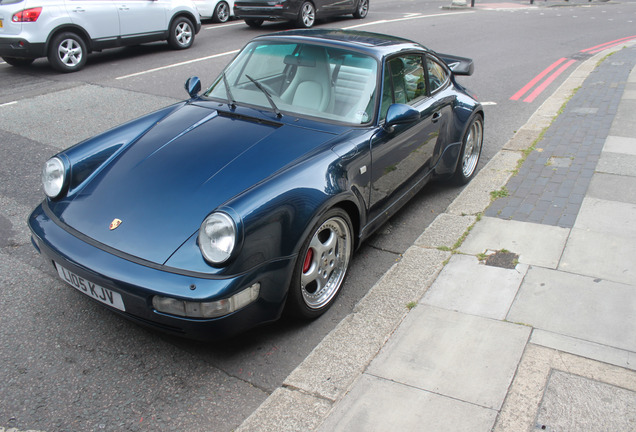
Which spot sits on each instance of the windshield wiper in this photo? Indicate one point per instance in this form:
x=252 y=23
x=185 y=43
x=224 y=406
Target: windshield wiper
x=267 y=95
x=230 y=98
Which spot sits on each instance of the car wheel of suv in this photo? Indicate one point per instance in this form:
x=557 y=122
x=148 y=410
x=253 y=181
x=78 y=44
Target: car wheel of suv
x=18 y=62
x=307 y=15
x=181 y=33
x=362 y=10
x=67 y=52
x=255 y=23
x=221 y=12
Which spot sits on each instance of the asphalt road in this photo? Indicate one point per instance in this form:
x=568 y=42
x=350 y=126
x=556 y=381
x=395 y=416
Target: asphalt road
x=68 y=364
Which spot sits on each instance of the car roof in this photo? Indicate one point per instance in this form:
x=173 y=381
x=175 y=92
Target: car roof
x=374 y=43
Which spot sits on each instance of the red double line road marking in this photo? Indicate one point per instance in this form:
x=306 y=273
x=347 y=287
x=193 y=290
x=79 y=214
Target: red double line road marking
x=537 y=91
x=548 y=81
x=536 y=79
x=599 y=48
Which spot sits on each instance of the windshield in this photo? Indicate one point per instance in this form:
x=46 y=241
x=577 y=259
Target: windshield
x=301 y=79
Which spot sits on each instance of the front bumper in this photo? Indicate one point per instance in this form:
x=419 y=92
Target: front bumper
x=21 y=48
x=137 y=284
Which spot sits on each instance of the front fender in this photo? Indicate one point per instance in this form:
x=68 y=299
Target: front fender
x=277 y=215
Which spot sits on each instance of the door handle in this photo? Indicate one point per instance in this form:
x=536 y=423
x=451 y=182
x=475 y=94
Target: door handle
x=436 y=117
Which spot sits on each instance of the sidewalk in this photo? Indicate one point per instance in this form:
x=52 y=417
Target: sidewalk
x=518 y=315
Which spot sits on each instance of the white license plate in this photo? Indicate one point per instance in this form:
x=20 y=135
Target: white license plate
x=99 y=293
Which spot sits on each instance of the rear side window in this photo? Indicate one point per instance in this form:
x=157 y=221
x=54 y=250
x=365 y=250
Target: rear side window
x=437 y=74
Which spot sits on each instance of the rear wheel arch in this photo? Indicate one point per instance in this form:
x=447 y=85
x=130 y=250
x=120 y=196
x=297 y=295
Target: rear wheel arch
x=72 y=29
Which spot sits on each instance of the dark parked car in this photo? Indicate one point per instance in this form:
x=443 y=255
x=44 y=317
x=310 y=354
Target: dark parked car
x=303 y=13
x=213 y=215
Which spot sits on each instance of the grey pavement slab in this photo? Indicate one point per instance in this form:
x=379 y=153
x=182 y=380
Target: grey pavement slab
x=520 y=411
x=623 y=123
x=600 y=255
x=536 y=244
x=617 y=163
x=579 y=347
x=612 y=217
x=613 y=187
x=468 y=286
x=378 y=405
x=582 y=307
x=618 y=144
x=454 y=355
x=603 y=241
x=574 y=403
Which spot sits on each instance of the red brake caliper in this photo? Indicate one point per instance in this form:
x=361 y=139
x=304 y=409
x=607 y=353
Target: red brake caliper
x=308 y=258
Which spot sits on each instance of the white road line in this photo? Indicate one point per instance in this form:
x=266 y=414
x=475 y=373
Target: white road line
x=217 y=26
x=407 y=18
x=8 y=103
x=488 y=103
x=177 y=64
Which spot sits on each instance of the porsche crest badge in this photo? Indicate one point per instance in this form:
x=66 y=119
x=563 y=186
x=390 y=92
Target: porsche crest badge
x=114 y=224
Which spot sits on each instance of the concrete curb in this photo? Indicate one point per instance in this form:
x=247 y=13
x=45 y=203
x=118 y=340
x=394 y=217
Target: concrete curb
x=313 y=389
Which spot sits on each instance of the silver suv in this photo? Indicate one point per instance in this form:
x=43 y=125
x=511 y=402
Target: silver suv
x=65 y=31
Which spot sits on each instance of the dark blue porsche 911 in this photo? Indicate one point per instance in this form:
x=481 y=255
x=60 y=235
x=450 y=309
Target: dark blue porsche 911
x=214 y=215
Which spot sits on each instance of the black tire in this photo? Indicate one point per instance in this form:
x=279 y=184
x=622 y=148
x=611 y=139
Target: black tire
x=362 y=10
x=322 y=266
x=18 y=62
x=306 y=15
x=221 y=12
x=181 y=33
x=67 y=52
x=254 y=23
x=471 y=151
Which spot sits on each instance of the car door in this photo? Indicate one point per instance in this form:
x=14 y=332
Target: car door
x=142 y=18
x=402 y=154
x=99 y=19
x=334 y=7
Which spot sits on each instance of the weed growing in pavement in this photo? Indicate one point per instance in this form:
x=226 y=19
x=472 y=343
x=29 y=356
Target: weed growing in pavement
x=501 y=193
x=410 y=305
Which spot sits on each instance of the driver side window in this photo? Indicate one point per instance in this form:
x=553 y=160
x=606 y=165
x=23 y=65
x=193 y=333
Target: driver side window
x=404 y=82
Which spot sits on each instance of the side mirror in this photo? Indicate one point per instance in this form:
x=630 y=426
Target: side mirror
x=193 y=86
x=400 y=114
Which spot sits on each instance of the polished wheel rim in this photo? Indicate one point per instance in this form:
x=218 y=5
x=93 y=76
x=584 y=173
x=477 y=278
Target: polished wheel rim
x=70 y=52
x=325 y=263
x=472 y=148
x=183 y=33
x=223 y=12
x=308 y=15
x=363 y=8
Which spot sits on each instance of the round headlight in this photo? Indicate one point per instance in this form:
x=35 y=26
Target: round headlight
x=217 y=238
x=53 y=177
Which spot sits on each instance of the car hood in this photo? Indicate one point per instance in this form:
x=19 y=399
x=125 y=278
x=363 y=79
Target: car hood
x=164 y=185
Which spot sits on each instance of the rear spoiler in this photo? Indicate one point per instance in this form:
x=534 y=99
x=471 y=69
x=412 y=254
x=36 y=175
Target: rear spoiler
x=459 y=65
